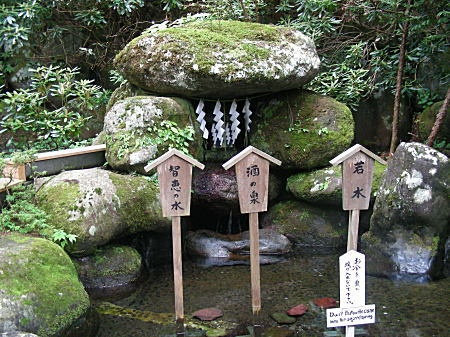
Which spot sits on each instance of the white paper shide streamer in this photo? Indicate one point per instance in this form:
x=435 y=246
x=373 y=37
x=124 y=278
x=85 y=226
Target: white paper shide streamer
x=218 y=126
x=201 y=118
x=234 y=114
x=247 y=113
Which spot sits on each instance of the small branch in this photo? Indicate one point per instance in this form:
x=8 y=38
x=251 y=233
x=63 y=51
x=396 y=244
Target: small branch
x=439 y=119
x=398 y=88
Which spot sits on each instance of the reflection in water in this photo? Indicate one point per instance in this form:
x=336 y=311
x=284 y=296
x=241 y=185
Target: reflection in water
x=404 y=309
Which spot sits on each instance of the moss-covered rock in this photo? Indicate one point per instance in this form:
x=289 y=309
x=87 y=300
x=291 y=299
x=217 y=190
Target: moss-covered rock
x=98 y=206
x=302 y=129
x=409 y=224
x=308 y=226
x=124 y=91
x=324 y=186
x=219 y=59
x=111 y=272
x=39 y=288
x=139 y=129
x=426 y=119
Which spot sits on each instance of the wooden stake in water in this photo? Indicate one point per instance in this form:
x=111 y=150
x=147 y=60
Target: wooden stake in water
x=357 y=174
x=175 y=179
x=252 y=174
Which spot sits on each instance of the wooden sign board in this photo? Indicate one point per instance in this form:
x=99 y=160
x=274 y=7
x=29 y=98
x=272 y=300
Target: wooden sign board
x=252 y=174
x=175 y=177
x=357 y=174
x=351 y=316
x=352 y=270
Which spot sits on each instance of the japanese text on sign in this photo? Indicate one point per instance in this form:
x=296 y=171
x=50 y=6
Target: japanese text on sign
x=352 y=279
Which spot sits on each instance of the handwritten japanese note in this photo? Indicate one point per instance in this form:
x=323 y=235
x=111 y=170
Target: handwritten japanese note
x=352 y=279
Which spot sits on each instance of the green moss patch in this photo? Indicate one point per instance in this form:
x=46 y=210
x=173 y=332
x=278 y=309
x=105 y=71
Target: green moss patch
x=41 y=272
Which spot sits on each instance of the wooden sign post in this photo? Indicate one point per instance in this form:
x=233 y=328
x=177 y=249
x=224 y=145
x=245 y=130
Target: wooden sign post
x=175 y=178
x=353 y=309
x=252 y=174
x=357 y=174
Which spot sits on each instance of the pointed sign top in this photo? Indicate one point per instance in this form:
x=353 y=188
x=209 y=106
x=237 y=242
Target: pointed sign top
x=351 y=151
x=170 y=153
x=244 y=153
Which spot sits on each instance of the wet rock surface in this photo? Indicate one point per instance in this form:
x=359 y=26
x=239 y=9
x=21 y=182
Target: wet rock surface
x=39 y=290
x=307 y=225
x=219 y=59
x=99 y=205
x=298 y=310
x=112 y=272
x=409 y=225
x=211 y=244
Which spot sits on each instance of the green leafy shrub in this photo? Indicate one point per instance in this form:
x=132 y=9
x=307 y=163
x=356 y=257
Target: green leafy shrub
x=52 y=113
x=20 y=213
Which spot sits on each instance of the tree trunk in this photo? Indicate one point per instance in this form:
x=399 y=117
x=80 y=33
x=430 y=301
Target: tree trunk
x=439 y=119
x=398 y=89
x=244 y=11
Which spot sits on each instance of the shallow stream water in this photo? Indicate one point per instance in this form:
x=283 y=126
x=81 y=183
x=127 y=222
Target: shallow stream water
x=404 y=309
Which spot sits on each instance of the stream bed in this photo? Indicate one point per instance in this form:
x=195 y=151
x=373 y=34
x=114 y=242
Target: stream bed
x=403 y=309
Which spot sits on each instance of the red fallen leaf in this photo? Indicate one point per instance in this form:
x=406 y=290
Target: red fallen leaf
x=325 y=302
x=298 y=310
x=208 y=314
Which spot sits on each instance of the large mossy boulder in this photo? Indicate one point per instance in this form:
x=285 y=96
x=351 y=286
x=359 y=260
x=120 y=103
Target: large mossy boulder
x=308 y=226
x=223 y=59
x=303 y=129
x=112 y=272
x=141 y=128
x=324 y=186
x=39 y=289
x=425 y=122
x=409 y=225
x=98 y=206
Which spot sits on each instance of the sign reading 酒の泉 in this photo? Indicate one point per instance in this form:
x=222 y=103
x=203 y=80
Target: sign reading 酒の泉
x=252 y=174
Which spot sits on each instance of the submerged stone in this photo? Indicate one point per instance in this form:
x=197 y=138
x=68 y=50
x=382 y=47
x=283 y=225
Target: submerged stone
x=325 y=302
x=98 y=206
x=208 y=314
x=39 y=289
x=223 y=59
x=282 y=318
x=112 y=272
x=211 y=244
x=298 y=310
x=302 y=129
x=409 y=225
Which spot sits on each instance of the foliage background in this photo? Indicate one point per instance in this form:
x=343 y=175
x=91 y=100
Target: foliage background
x=357 y=40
